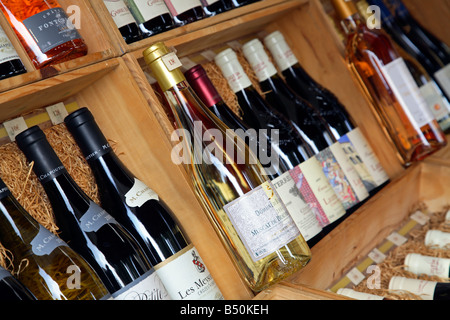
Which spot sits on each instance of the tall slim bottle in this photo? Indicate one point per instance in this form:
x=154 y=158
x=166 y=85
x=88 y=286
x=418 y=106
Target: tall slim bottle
x=10 y=63
x=49 y=268
x=389 y=87
x=12 y=289
x=296 y=202
x=329 y=107
x=91 y=231
x=140 y=210
x=124 y=20
x=257 y=114
x=345 y=180
x=229 y=182
x=45 y=31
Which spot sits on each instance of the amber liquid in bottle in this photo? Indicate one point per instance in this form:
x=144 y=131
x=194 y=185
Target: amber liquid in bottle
x=368 y=53
x=45 y=31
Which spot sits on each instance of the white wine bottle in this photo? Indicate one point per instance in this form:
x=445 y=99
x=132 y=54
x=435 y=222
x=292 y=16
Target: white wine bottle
x=230 y=183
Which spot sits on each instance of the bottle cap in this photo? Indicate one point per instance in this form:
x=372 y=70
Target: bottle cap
x=437 y=238
x=81 y=124
x=164 y=65
x=34 y=144
x=232 y=70
x=423 y=288
x=447 y=216
x=414 y=262
x=259 y=60
x=202 y=85
x=344 y=8
x=280 y=50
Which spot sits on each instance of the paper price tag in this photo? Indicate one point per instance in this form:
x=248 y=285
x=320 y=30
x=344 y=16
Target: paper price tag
x=420 y=217
x=171 y=61
x=14 y=127
x=377 y=256
x=355 y=276
x=396 y=238
x=57 y=113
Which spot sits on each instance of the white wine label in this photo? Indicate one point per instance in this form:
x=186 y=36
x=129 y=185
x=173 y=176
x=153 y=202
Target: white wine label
x=424 y=289
x=296 y=204
x=437 y=104
x=186 y=277
x=432 y=266
x=171 y=61
x=179 y=6
x=45 y=242
x=95 y=218
x=139 y=194
x=7 y=51
x=443 y=77
x=145 y=10
x=148 y=287
x=349 y=171
x=281 y=52
x=261 y=221
x=407 y=93
x=328 y=199
x=119 y=12
x=368 y=156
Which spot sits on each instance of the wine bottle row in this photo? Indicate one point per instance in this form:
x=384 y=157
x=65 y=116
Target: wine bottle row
x=131 y=248
x=138 y=19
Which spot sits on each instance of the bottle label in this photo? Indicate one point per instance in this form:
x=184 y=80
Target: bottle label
x=45 y=242
x=179 y=6
x=407 y=93
x=208 y=2
x=321 y=187
x=51 y=28
x=145 y=10
x=261 y=221
x=186 y=277
x=297 y=205
x=349 y=171
x=336 y=177
x=368 y=156
x=443 y=77
x=119 y=12
x=95 y=218
x=438 y=105
x=139 y=194
x=147 y=287
x=7 y=51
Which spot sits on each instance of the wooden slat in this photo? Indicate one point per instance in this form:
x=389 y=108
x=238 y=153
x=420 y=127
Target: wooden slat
x=289 y=291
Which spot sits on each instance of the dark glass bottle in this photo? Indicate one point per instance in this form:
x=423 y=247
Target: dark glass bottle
x=300 y=210
x=213 y=7
x=330 y=108
x=11 y=64
x=53 y=271
x=153 y=17
x=240 y=3
x=12 y=289
x=124 y=20
x=85 y=226
x=185 y=11
x=139 y=209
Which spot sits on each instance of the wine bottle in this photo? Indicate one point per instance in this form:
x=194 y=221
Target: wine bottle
x=437 y=238
x=185 y=11
x=427 y=290
x=431 y=92
x=153 y=17
x=45 y=31
x=241 y=3
x=88 y=228
x=330 y=108
x=313 y=128
x=358 y=295
x=229 y=182
x=124 y=20
x=140 y=210
x=390 y=88
x=296 y=203
x=53 y=270
x=434 y=52
x=213 y=7
x=433 y=266
x=257 y=114
x=10 y=63
x=12 y=289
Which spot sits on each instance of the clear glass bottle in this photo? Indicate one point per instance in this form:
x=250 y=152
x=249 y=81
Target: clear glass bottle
x=230 y=183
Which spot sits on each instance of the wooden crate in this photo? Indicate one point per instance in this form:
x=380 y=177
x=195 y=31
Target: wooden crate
x=100 y=47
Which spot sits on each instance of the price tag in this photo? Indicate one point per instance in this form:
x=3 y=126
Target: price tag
x=171 y=61
x=420 y=217
x=14 y=127
x=355 y=276
x=377 y=256
x=57 y=113
x=396 y=238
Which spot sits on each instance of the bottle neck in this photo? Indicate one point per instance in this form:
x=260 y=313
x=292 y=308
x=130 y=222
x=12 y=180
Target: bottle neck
x=352 y=24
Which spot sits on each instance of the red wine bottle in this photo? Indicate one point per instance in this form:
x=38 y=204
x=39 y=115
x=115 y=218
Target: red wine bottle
x=241 y=3
x=300 y=210
x=153 y=17
x=213 y=7
x=185 y=11
x=12 y=289
x=87 y=228
x=124 y=20
x=140 y=210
